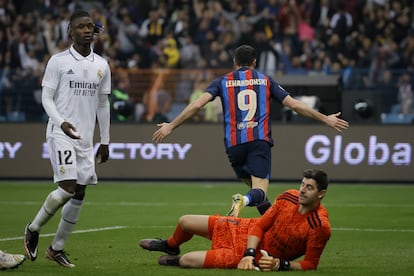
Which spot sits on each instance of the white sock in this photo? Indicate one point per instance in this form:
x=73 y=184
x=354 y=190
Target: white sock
x=56 y=199
x=246 y=201
x=70 y=216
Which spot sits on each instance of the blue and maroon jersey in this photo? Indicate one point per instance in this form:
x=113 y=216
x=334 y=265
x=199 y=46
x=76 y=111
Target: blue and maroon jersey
x=245 y=96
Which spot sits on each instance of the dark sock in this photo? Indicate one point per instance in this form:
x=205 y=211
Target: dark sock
x=169 y=260
x=262 y=207
x=256 y=197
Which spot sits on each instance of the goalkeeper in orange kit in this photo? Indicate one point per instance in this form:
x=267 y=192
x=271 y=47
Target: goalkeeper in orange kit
x=295 y=225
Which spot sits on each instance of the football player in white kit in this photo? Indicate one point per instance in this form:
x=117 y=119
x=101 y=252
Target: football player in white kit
x=75 y=90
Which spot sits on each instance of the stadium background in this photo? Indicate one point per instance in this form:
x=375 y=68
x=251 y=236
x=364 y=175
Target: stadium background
x=372 y=224
x=358 y=69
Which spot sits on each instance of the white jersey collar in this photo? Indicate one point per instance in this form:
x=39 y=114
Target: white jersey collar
x=78 y=56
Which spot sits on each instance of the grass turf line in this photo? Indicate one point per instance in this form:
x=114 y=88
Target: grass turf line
x=372 y=226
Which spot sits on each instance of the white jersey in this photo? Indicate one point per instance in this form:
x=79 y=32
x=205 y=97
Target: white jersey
x=78 y=81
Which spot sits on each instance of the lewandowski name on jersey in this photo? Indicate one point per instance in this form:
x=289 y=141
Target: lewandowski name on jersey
x=233 y=83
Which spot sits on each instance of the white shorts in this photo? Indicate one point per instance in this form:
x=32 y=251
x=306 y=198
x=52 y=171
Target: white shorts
x=69 y=158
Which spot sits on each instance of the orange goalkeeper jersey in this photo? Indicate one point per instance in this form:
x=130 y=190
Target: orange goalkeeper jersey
x=287 y=234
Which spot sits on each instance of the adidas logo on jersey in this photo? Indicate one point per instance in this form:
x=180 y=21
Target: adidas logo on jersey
x=70 y=72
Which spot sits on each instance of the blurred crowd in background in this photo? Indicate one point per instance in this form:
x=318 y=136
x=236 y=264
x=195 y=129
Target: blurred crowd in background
x=369 y=43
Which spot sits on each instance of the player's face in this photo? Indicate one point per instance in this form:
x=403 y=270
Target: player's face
x=308 y=192
x=82 y=30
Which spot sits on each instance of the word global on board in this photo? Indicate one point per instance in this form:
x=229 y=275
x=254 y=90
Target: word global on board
x=318 y=150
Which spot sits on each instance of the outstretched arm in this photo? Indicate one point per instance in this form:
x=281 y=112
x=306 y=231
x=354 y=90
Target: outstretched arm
x=301 y=108
x=191 y=109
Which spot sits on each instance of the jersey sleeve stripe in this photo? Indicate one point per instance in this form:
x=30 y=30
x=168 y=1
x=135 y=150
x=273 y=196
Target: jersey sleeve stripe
x=314 y=220
x=289 y=197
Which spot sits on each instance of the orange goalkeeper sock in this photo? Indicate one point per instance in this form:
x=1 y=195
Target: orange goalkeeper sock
x=179 y=237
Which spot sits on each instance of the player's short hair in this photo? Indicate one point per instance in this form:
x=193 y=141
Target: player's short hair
x=245 y=55
x=78 y=14
x=320 y=177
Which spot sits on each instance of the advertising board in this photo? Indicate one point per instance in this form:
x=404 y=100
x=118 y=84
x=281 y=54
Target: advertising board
x=381 y=153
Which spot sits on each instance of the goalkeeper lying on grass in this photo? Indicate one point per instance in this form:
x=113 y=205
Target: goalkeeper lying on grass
x=296 y=225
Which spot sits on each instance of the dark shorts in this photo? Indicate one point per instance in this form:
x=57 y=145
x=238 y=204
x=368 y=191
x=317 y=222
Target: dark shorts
x=251 y=159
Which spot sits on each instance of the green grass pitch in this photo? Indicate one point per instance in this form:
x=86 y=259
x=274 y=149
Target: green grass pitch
x=373 y=226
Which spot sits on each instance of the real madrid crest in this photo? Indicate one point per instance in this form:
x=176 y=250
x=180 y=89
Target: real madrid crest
x=100 y=73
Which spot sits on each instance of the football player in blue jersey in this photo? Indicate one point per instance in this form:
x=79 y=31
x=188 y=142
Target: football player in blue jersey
x=246 y=94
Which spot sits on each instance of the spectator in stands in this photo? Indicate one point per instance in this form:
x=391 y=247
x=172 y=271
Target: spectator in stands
x=50 y=34
x=384 y=58
x=268 y=57
x=134 y=28
x=407 y=49
x=405 y=94
x=134 y=62
x=163 y=102
x=27 y=52
x=121 y=105
x=365 y=51
x=285 y=56
x=213 y=55
x=189 y=52
x=251 y=21
x=401 y=18
x=170 y=56
x=341 y=22
x=4 y=86
x=388 y=89
x=203 y=33
x=29 y=88
x=102 y=41
x=152 y=29
x=288 y=18
x=179 y=23
x=127 y=34
x=320 y=15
